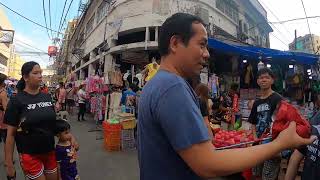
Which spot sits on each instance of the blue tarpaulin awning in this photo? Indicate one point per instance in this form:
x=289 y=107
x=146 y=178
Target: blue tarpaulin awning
x=254 y=52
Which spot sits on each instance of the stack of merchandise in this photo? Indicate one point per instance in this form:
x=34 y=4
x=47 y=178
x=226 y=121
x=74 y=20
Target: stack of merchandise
x=128 y=123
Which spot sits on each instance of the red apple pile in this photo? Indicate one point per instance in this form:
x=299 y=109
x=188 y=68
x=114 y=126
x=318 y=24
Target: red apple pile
x=227 y=138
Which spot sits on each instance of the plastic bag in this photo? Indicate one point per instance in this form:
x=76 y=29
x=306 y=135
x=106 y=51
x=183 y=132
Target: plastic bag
x=282 y=117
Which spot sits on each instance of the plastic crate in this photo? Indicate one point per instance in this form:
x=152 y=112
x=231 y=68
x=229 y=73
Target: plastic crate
x=111 y=127
x=128 y=144
x=127 y=134
x=112 y=136
x=128 y=124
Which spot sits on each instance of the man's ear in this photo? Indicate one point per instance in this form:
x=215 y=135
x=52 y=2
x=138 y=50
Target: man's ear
x=175 y=42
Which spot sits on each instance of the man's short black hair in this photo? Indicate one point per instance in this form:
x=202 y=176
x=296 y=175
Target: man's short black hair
x=61 y=126
x=179 y=24
x=265 y=71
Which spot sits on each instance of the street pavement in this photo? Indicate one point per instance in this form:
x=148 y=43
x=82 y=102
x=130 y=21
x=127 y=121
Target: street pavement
x=94 y=162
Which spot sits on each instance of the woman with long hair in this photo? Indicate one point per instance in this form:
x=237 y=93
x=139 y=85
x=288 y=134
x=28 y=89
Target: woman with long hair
x=31 y=118
x=203 y=94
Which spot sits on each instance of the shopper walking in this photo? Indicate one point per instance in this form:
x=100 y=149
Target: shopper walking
x=70 y=98
x=82 y=98
x=173 y=140
x=62 y=97
x=31 y=118
x=3 y=107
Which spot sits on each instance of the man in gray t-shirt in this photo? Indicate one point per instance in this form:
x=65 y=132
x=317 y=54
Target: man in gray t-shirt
x=173 y=141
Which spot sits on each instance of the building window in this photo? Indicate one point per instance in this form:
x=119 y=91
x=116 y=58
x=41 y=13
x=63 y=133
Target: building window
x=89 y=25
x=102 y=10
x=228 y=7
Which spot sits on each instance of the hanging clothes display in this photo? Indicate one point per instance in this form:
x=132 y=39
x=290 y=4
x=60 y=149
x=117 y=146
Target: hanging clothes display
x=248 y=77
x=115 y=78
x=114 y=105
x=213 y=85
x=97 y=107
x=94 y=84
x=278 y=83
x=139 y=76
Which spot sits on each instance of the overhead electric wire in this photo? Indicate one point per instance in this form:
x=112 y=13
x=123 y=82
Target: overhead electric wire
x=29 y=19
x=280 y=33
x=65 y=17
x=257 y=25
x=29 y=45
x=286 y=45
x=305 y=12
x=50 y=17
x=295 y=19
x=45 y=18
x=23 y=53
x=64 y=7
x=276 y=18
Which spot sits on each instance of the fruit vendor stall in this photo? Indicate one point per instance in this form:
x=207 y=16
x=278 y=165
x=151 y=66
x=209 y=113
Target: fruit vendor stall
x=282 y=116
x=297 y=74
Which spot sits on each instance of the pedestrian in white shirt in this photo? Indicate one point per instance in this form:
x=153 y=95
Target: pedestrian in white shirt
x=82 y=102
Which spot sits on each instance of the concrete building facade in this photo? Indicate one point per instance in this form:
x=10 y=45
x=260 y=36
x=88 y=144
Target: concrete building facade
x=50 y=77
x=5 y=48
x=14 y=66
x=309 y=43
x=127 y=30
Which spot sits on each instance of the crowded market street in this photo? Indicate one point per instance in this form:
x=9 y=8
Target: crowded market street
x=159 y=90
x=94 y=161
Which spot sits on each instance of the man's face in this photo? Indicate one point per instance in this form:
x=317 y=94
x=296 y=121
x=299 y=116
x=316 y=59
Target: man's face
x=265 y=81
x=192 y=57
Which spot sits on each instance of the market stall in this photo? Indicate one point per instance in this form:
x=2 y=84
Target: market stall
x=296 y=76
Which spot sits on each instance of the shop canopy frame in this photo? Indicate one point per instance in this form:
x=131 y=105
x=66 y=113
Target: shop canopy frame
x=259 y=53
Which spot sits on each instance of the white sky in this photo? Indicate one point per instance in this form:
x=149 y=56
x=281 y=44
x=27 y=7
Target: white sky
x=290 y=9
